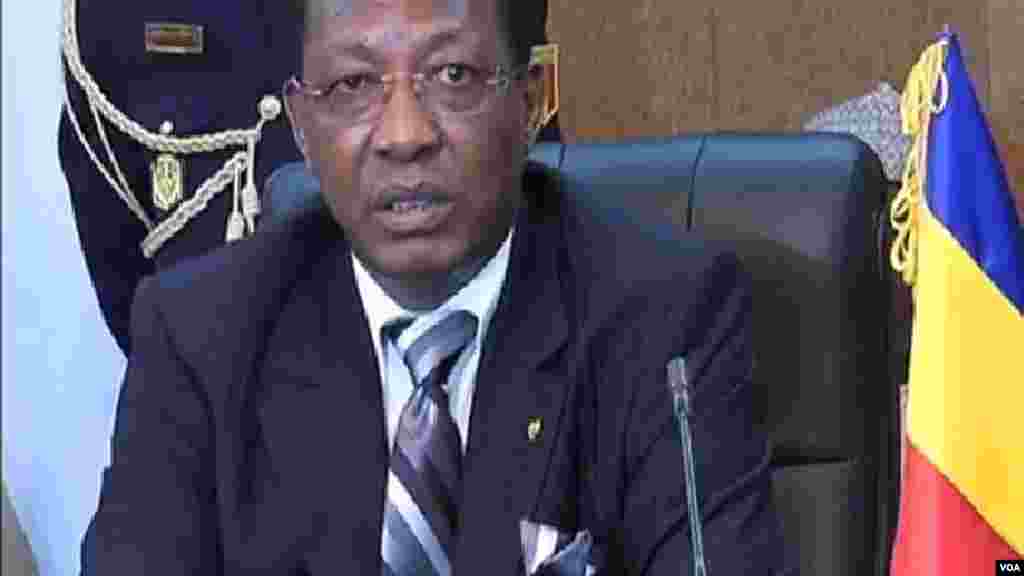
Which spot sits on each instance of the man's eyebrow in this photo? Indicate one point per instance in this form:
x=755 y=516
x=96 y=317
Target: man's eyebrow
x=353 y=47
x=449 y=36
x=363 y=47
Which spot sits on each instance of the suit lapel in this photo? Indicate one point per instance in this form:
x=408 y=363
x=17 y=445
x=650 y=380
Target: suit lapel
x=323 y=420
x=504 y=470
x=322 y=410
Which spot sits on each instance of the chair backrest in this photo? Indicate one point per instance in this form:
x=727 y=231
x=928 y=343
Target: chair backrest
x=804 y=212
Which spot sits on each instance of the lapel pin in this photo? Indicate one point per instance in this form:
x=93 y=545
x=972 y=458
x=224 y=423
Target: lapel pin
x=533 y=429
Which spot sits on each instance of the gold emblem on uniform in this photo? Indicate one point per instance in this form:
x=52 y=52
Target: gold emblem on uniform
x=168 y=176
x=533 y=429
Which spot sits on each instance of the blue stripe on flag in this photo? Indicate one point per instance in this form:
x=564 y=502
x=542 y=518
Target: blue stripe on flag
x=967 y=187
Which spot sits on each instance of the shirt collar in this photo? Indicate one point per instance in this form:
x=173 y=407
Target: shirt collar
x=479 y=296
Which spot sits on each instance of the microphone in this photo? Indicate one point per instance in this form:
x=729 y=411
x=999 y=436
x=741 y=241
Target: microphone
x=679 y=386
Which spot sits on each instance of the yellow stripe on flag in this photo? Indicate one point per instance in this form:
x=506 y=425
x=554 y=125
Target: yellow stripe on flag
x=967 y=380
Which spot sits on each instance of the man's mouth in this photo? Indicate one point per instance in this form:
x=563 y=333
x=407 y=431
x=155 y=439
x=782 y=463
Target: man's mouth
x=412 y=210
x=412 y=205
x=409 y=197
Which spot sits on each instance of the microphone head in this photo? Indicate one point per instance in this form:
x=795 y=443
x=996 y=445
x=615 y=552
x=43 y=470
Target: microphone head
x=677 y=382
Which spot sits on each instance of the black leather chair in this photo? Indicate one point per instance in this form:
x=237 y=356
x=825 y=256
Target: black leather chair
x=805 y=213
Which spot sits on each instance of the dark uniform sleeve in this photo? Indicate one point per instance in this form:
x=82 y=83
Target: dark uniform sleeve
x=157 y=509
x=197 y=96
x=108 y=232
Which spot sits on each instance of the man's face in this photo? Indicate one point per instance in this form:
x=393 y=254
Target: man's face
x=417 y=191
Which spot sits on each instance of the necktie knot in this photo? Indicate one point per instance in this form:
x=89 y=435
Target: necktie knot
x=431 y=355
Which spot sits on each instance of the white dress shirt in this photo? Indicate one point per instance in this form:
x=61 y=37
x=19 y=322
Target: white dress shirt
x=479 y=296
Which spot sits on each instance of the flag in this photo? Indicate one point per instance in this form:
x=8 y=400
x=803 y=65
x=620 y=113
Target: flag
x=960 y=245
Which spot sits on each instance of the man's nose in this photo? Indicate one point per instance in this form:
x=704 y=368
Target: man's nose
x=406 y=129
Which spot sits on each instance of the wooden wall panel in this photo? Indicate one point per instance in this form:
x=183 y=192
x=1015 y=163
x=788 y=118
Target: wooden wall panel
x=1006 y=21
x=645 y=68
x=1013 y=152
x=970 y=20
x=781 y=62
x=637 y=68
x=1006 y=48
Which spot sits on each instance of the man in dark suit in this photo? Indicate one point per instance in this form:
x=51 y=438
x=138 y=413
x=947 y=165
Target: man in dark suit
x=456 y=342
x=207 y=83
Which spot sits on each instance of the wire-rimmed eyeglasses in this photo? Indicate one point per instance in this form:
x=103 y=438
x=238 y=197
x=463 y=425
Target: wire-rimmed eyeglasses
x=450 y=90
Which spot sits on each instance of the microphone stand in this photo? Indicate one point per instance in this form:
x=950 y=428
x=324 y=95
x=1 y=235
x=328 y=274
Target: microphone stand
x=679 y=386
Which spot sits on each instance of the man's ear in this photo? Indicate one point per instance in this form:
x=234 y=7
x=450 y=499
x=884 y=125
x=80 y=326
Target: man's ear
x=534 y=103
x=297 y=117
x=541 y=89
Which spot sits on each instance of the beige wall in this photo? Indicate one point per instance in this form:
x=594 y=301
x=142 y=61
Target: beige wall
x=1006 y=54
x=648 y=67
x=1006 y=47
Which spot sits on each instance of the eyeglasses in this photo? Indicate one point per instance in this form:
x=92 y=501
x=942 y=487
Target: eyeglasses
x=450 y=90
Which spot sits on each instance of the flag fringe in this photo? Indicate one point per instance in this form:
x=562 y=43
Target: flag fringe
x=917 y=107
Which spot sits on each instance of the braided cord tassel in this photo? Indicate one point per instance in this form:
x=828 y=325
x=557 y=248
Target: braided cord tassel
x=101 y=107
x=917 y=107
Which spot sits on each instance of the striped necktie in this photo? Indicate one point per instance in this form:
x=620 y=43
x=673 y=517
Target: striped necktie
x=424 y=479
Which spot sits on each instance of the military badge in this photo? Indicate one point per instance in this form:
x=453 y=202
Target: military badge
x=168 y=181
x=173 y=38
x=167 y=177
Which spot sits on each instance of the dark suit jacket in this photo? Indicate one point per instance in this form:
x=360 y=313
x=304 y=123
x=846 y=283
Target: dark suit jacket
x=250 y=433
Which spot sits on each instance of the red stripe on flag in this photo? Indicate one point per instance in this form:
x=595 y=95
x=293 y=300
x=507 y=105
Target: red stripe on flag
x=939 y=531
